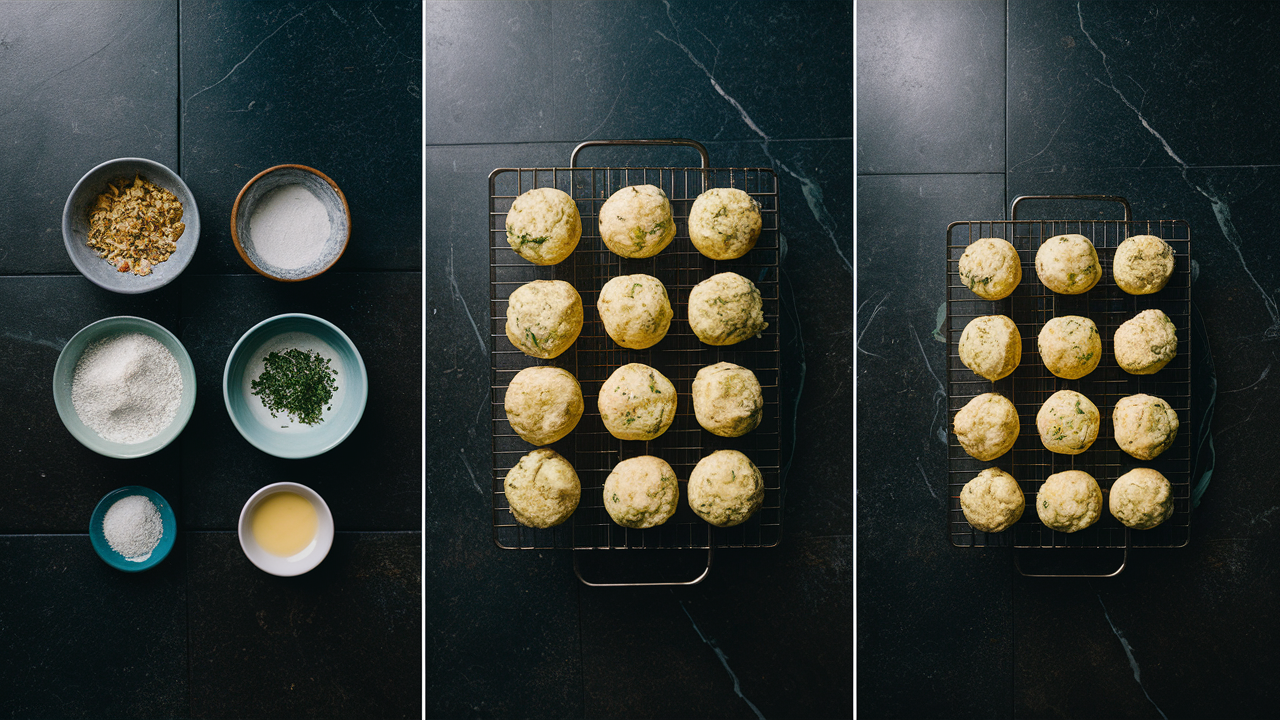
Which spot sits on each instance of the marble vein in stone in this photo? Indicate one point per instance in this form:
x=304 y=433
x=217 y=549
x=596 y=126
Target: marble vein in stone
x=724 y=660
x=1133 y=662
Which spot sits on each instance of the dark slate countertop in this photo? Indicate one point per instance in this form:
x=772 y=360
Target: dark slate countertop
x=216 y=91
x=769 y=632
x=963 y=107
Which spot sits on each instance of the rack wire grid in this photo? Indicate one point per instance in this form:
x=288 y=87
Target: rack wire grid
x=1031 y=384
x=590 y=448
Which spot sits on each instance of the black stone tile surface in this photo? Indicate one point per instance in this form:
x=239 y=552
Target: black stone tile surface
x=373 y=480
x=1140 y=100
x=342 y=641
x=83 y=640
x=931 y=90
x=515 y=633
x=336 y=87
x=80 y=87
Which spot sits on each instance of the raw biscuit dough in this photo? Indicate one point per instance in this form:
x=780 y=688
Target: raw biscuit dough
x=724 y=223
x=991 y=346
x=544 y=317
x=987 y=426
x=1145 y=343
x=727 y=400
x=542 y=489
x=1069 y=501
x=636 y=221
x=1070 y=346
x=641 y=492
x=991 y=268
x=725 y=309
x=637 y=403
x=543 y=404
x=1067 y=422
x=1068 y=264
x=635 y=310
x=1145 y=425
x=725 y=488
x=1142 y=265
x=992 y=501
x=1141 y=499
x=543 y=226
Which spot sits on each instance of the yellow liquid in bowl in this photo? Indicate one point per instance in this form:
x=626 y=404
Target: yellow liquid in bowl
x=284 y=523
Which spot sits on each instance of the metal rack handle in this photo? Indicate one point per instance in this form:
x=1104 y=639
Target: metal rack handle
x=702 y=150
x=1124 y=561
x=577 y=570
x=1128 y=212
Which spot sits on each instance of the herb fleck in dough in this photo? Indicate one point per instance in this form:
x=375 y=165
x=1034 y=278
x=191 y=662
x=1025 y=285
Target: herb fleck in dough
x=725 y=488
x=724 y=223
x=1068 y=422
x=1068 y=264
x=543 y=404
x=992 y=501
x=543 y=226
x=991 y=268
x=635 y=310
x=1070 y=346
x=542 y=489
x=637 y=402
x=641 y=492
x=725 y=309
x=544 y=317
x=636 y=221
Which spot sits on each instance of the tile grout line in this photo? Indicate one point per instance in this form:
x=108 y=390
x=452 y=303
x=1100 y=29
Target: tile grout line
x=186 y=601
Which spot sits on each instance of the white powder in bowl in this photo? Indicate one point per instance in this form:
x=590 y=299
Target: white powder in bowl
x=133 y=527
x=289 y=227
x=127 y=388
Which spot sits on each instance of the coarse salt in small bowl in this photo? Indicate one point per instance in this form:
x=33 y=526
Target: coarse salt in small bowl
x=102 y=546
x=290 y=223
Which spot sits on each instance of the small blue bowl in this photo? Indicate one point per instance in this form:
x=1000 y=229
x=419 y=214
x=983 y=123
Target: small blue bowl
x=115 y=559
x=64 y=371
x=280 y=436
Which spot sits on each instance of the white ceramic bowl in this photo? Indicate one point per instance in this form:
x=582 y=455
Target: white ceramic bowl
x=322 y=188
x=302 y=562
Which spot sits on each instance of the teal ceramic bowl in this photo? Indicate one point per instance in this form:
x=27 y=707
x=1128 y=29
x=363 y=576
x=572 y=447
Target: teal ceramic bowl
x=282 y=435
x=115 y=559
x=65 y=369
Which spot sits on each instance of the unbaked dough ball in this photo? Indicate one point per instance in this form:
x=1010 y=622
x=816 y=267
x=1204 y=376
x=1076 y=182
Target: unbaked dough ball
x=542 y=489
x=991 y=346
x=725 y=488
x=991 y=268
x=543 y=226
x=635 y=310
x=1068 y=264
x=1145 y=425
x=987 y=426
x=641 y=492
x=1145 y=343
x=727 y=400
x=637 y=402
x=724 y=223
x=1068 y=422
x=725 y=309
x=1142 y=265
x=1070 y=346
x=544 y=317
x=543 y=404
x=1069 y=501
x=1141 y=499
x=636 y=221
x=992 y=501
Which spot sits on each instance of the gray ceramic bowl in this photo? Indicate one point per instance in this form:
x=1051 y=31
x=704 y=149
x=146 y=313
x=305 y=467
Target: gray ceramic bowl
x=323 y=189
x=75 y=226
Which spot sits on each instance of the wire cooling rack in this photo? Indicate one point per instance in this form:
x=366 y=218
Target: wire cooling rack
x=590 y=448
x=1030 y=306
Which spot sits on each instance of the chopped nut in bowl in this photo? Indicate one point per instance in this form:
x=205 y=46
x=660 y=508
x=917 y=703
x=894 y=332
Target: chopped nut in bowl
x=130 y=225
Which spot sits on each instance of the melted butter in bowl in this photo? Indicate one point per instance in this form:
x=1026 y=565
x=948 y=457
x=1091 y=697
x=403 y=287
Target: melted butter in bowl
x=286 y=529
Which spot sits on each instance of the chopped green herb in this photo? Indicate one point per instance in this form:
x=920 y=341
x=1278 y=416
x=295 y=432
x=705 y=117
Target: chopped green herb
x=296 y=382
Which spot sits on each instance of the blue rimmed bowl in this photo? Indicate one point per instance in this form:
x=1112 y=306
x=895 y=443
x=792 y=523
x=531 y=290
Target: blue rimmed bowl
x=280 y=436
x=167 y=537
x=75 y=226
x=64 y=374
